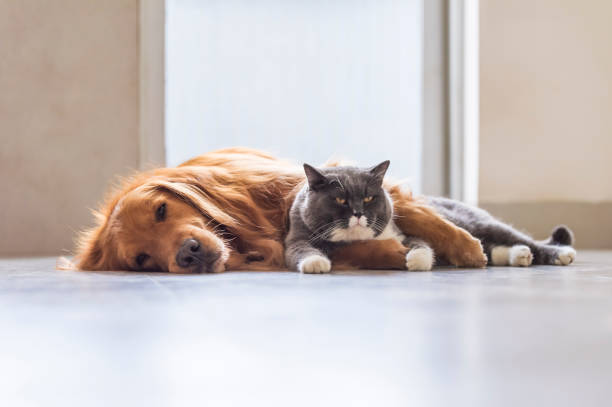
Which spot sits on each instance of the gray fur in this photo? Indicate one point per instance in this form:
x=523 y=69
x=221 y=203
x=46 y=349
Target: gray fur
x=493 y=232
x=315 y=214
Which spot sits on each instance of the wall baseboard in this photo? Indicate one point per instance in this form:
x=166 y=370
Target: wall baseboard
x=591 y=222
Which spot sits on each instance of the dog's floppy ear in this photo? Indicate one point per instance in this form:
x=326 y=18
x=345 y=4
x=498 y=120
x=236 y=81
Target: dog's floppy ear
x=89 y=243
x=197 y=197
x=316 y=180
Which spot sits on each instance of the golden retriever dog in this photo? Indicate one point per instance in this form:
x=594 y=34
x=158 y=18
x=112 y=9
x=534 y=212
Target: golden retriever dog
x=228 y=210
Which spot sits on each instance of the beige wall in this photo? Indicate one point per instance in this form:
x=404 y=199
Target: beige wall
x=546 y=100
x=546 y=115
x=68 y=115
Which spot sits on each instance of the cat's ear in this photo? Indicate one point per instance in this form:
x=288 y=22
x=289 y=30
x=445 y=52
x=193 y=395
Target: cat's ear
x=378 y=172
x=316 y=180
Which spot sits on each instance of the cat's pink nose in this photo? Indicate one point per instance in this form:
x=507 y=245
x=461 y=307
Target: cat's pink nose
x=362 y=221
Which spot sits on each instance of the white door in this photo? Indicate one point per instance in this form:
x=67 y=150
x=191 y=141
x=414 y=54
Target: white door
x=305 y=80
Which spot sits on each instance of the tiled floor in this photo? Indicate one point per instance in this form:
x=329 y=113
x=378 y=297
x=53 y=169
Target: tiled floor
x=503 y=336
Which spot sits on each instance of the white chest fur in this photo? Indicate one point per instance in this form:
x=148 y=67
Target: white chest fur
x=391 y=231
x=357 y=232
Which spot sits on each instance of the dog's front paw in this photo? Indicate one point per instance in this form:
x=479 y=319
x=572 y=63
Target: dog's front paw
x=315 y=264
x=420 y=259
x=467 y=252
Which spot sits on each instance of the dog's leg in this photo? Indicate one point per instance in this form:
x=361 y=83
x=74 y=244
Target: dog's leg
x=449 y=241
x=370 y=254
x=415 y=255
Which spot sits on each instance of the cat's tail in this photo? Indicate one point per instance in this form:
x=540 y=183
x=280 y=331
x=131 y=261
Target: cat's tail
x=561 y=236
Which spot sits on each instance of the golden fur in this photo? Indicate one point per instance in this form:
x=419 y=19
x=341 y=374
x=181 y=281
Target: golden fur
x=235 y=203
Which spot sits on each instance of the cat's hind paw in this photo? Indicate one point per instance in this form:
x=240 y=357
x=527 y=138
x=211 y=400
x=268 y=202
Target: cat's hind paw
x=314 y=264
x=565 y=256
x=420 y=259
x=520 y=256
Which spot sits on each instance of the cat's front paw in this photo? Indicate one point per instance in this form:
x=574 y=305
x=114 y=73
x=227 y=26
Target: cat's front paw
x=315 y=264
x=420 y=259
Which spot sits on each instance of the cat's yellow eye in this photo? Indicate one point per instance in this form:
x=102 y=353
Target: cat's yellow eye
x=341 y=201
x=368 y=199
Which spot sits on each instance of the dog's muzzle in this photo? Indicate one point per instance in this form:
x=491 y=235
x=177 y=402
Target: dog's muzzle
x=192 y=256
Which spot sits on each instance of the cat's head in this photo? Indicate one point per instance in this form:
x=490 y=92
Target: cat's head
x=346 y=203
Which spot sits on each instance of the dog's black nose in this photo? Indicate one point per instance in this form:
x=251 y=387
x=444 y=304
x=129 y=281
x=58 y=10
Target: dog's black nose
x=192 y=255
x=189 y=254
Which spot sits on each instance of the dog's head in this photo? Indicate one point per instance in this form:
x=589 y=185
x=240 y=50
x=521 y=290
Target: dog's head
x=164 y=222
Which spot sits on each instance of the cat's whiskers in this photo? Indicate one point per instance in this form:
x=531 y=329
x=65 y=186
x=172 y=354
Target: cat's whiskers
x=376 y=228
x=325 y=231
x=326 y=225
x=329 y=228
x=379 y=225
x=322 y=232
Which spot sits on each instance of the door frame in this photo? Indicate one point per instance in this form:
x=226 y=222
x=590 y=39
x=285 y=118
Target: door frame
x=463 y=99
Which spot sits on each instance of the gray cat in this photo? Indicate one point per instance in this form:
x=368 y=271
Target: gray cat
x=343 y=204
x=504 y=245
x=339 y=205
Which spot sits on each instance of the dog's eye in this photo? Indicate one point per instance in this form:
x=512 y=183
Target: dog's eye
x=368 y=199
x=160 y=212
x=341 y=201
x=141 y=258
